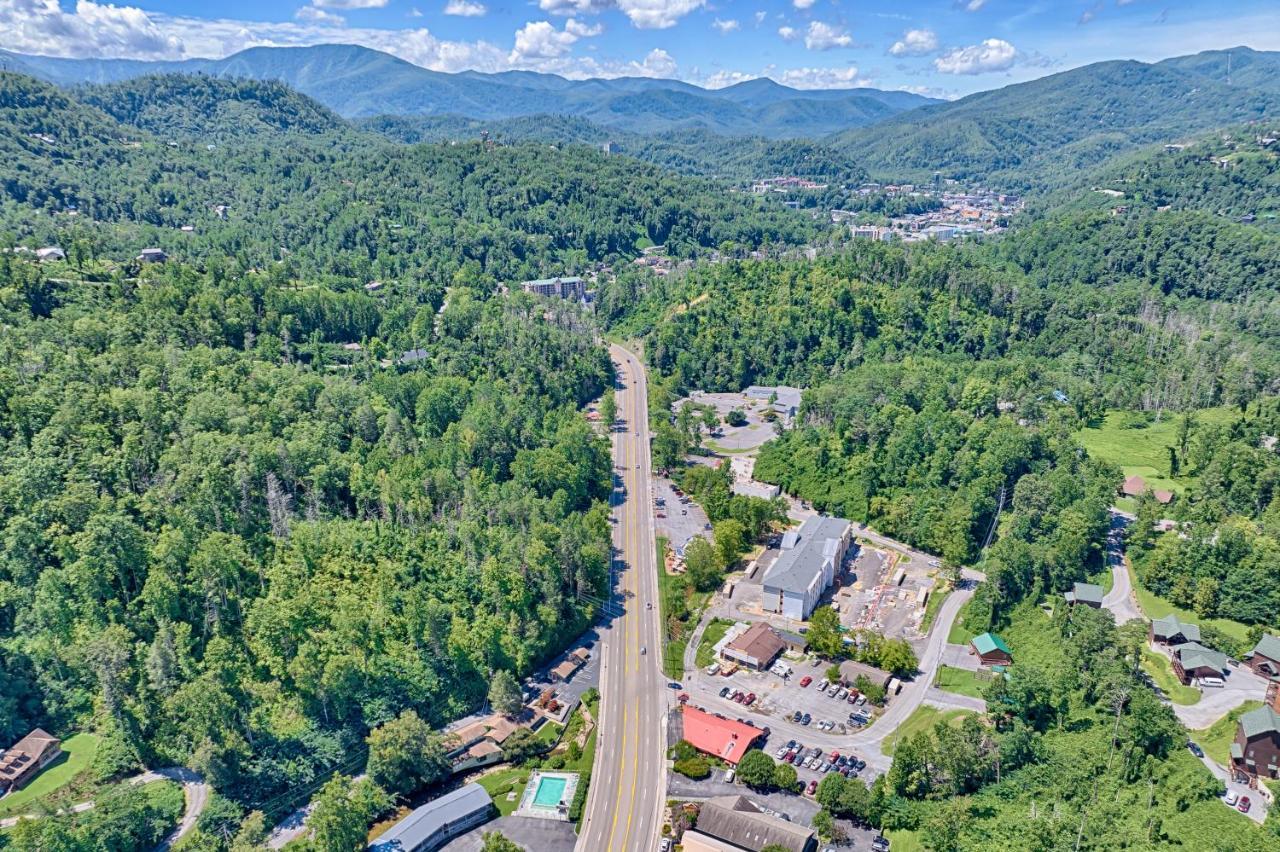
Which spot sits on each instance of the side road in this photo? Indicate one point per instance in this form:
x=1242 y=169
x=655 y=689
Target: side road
x=194 y=789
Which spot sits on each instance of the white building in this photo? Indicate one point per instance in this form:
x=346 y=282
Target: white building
x=806 y=567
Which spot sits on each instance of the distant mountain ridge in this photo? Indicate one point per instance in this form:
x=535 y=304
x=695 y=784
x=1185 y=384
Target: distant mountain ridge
x=357 y=82
x=1042 y=133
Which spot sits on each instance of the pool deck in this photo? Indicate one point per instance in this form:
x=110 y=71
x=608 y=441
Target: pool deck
x=558 y=810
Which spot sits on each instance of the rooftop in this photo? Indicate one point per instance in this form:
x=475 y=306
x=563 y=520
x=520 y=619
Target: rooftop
x=1085 y=593
x=1263 y=720
x=1268 y=646
x=987 y=642
x=1171 y=625
x=1193 y=655
x=759 y=641
x=425 y=821
x=804 y=552
x=724 y=738
x=739 y=821
x=851 y=670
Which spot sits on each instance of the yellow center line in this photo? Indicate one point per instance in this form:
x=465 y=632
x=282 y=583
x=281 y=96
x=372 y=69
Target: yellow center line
x=626 y=627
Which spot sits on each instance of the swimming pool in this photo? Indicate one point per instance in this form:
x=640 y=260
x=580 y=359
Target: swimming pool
x=550 y=791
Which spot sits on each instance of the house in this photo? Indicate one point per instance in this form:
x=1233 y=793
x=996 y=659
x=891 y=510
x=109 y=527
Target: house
x=991 y=650
x=567 y=287
x=1256 y=750
x=740 y=822
x=1171 y=630
x=1134 y=486
x=1264 y=659
x=50 y=253
x=1164 y=498
x=413 y=356
x=565 y=668
x=21 y=761
x=756 y=647
x=722 y=738
x=1192 y=660
x=851 y=670
x=1085 y=593
x=806 y=567
x=480 y=743
x=434 y=824
x=152 y=255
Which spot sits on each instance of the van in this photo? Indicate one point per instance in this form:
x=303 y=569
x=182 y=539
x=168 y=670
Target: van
x=1215 y=682
x=728 y=776
x=713 y=669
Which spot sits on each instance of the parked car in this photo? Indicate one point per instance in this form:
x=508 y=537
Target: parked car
x=805 y=681
x=1243 y=807
x=880 y=844
x=665 y=845
x=728 y=776
x=844 y=693
x=813 y=787
x=1214 y=682
x=1195 y=749
x=822 y=687
x=805 y=719
x=835 y=755
x=782 y=750
x=795 y=717
x=1231 y=798
x=724 y=690
x=750 y=699
x=859 y=764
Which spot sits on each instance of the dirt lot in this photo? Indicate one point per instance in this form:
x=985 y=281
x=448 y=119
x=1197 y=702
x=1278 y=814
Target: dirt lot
x=873 y=602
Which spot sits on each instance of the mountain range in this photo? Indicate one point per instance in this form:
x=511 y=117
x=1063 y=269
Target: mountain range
x=358 y=82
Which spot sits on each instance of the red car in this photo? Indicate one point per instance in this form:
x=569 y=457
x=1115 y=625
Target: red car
x=750 y=699
x=835 y=755
x=788 y=757
x=1243 y=805
x=684 y=696
x=806 y=680
x=813 y=787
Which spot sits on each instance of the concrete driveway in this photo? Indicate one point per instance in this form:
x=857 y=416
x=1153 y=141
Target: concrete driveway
x=1258 y=812
x=1241 y=685
x=1120 y=600
x=958 y=657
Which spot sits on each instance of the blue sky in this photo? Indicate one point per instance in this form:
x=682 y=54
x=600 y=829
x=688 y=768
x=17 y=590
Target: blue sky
x=938 y=47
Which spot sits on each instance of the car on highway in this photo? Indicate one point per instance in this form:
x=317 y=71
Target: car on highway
x=644 y=650
x=665 y=845
x=805 y=681
x=1243 y=806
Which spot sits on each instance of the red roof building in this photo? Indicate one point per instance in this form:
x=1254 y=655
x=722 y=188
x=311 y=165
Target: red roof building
x=722 y=738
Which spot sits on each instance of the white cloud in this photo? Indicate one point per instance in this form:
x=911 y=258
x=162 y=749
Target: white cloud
x=414 y=12
x=643 y=14
x=788 y=33
x=822 y=78
x=540 y=40
x=725 y=27
x=823 y=36
x=350 y=4
x=915 y=43
x=974 y=5
x=319 y=16
x=760 y=16
x=582 y=30
x=465 y=8
x=659 y=63
x=994 y=54
x=92 y=30
x=803 y=4
x=721 y=79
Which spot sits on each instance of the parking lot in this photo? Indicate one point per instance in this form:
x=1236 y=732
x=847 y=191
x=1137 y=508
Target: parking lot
x=679 y=520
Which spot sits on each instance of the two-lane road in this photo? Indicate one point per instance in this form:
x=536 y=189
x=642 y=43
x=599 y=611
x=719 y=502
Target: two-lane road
x=628 y=782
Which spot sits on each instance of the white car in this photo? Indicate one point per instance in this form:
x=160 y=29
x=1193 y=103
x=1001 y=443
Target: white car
x=1215 y=682
x=822 y=687
x=728 y=776
x=1231 y=798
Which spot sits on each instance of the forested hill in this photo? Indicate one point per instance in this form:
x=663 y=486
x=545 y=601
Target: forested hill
x=340 y=201
x=209 y=108
x=1233 y=173
x=697 y=152
x=356 y=81
x=1041 y=133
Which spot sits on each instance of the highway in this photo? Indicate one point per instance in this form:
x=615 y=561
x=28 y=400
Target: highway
x=628 y=781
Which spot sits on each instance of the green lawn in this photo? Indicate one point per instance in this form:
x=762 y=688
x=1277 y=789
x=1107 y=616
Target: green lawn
x=1216 y=739
x=499 y=783
x=959 y=681
x=670 y=585
x=1145 y=451
x=1154 y=606
x=714 y=633
x=922 y=719
x=902 y=840
x=1157 y=665
x=936 y=598
x=959 y=635
x=78 y=751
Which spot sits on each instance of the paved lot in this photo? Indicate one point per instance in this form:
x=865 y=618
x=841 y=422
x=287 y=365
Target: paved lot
x=958 y=657
x=736 y=439
x=683 y=520
x=535 y=835
x=801 y=809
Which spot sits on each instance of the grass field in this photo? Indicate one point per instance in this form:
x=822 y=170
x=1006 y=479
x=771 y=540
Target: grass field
x=1145 y=451
x=959 y=635
x=922 y=719
x=714 y=633
x=936 y=598
x=1155 y=606
x=959 y=681
x=78 y=752
x=1216 y=739
x=1161 y=671
x=902 y=840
